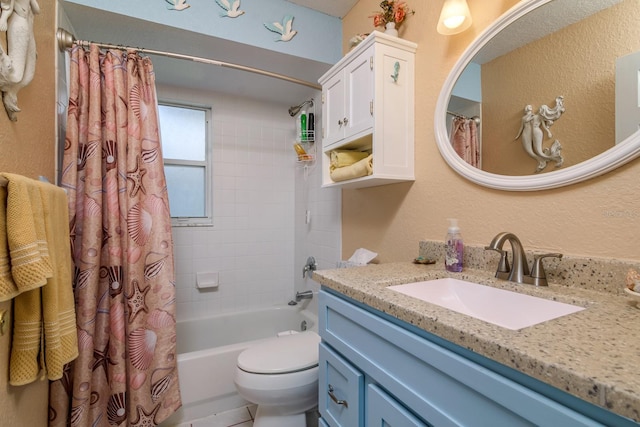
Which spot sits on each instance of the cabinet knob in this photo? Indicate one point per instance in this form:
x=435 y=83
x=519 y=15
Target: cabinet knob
x=335 y=399
x=344 y=121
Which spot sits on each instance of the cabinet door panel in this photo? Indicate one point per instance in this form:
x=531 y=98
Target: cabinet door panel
x=334 y=110
x=341 y=390
x=384 y=411
x=359 y=75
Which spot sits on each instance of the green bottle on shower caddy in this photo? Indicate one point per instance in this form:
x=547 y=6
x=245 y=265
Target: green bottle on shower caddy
x=303 y=125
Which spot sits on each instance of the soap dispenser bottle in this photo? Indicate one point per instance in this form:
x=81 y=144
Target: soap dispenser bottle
x=454 y=247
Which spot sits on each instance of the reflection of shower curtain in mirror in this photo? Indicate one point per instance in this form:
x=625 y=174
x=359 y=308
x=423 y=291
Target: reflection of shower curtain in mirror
x=464 y=139
x=122 y=247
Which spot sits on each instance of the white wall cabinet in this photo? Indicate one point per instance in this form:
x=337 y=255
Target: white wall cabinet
x=368 y=105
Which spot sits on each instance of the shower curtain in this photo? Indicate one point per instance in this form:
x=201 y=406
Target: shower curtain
x=464 y=138
x=126 y=374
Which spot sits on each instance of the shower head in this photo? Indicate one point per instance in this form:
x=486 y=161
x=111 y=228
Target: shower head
x=296 y=109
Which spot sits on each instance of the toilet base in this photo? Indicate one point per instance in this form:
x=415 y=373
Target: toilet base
x=269 y=416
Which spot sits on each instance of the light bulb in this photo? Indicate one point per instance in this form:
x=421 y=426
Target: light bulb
x=453 y=21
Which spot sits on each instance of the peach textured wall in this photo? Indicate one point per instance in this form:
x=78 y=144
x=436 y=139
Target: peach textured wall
x=597 y=218
x=537 y=73
x=27 y=147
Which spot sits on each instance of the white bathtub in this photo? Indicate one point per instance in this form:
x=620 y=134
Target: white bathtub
x=208 y=349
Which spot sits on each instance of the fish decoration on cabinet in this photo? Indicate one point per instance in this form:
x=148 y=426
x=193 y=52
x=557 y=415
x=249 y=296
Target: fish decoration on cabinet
x=231 y=8
x=283 y=28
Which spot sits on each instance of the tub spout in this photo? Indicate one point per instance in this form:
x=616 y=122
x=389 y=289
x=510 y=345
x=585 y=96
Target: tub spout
x=304 y=295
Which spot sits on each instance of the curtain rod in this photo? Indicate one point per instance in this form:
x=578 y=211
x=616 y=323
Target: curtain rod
x=476 y=119
x=66 y=41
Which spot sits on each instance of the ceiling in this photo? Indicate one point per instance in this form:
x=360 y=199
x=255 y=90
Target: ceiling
x=104 y=26
x=337 y=8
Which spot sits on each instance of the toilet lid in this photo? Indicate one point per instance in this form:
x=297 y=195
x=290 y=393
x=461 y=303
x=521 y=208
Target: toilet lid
x=288 y=353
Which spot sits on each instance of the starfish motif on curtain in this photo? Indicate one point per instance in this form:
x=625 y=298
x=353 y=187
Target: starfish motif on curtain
x=144 y=418
x=136 y=300
x=136 y=178
x=101 y=359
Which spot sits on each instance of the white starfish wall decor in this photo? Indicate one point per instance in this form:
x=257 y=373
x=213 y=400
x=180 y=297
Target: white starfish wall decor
x=231 y=8
x=177 y=4
x=283 y=28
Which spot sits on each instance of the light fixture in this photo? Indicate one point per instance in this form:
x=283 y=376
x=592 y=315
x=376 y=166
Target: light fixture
x=454 y=18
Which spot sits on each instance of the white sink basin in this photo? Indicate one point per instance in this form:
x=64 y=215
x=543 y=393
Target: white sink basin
x=508 y=309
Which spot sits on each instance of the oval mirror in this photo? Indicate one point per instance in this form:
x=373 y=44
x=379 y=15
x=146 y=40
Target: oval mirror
x=546 y=53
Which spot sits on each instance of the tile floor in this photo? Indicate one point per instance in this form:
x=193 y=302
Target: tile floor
x=240 y=417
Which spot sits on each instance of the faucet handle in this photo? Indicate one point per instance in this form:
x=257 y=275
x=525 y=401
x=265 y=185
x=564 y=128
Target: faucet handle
x=503 y=264
x=537 y=270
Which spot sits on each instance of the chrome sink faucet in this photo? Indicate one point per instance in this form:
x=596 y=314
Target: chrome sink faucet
x=519 y=272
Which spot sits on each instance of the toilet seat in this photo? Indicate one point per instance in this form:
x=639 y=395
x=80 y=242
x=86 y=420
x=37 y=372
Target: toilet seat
x=282 y=355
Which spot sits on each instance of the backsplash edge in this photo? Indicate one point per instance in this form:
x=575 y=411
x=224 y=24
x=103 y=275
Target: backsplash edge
x=597 y=274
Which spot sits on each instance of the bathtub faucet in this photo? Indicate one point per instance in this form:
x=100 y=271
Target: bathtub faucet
x=309 y=267
x=303 y=295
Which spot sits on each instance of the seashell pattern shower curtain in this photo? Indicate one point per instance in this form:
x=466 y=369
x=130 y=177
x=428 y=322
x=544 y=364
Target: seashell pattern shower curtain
x=464 y=139
x=126 y=374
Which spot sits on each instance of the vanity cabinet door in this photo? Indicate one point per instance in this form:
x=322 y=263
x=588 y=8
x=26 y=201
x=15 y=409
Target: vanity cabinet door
x=383 y=410
x=341 y=390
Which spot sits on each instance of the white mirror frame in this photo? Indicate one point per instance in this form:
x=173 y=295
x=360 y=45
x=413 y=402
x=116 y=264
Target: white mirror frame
x=622 y=153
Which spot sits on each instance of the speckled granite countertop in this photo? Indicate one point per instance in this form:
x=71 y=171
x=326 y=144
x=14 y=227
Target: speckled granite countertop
x=593 y=354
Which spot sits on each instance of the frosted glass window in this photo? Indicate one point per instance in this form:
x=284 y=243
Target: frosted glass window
x=183 y=132
x=186 y=149
x=186 y=185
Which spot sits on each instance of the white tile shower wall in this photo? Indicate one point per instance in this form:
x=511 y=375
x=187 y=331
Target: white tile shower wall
x=252 y=241
x=321 y=237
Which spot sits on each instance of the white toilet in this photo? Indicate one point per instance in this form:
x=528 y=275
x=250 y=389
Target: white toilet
x=280 y=375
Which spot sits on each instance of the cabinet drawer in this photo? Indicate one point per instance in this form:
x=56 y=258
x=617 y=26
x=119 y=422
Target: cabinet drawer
x=383 y=410
x=439 y=385
x=341 y=390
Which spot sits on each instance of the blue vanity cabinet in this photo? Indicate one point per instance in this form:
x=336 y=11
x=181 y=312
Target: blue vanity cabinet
x=340 y=403
x=383 y=410
x=402 y=377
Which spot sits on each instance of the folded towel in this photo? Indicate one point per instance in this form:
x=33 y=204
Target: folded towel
x=342 y=158
x=359 y=169
x=44 y=328
x=30 y=263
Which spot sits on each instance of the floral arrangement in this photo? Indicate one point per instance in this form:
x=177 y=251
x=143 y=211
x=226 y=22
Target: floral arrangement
x=392 y=11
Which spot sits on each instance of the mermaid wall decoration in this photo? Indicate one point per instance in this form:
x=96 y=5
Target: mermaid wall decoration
x=18 y=64
x=532 y=130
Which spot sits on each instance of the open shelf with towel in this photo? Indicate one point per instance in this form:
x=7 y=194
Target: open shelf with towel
x=368 y=107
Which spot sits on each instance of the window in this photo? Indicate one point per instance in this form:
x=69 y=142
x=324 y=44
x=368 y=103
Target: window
x=185 y=132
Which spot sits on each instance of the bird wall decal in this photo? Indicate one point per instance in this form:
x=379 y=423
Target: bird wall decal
x=177 y=4
x=232 y=8
x=283 y=28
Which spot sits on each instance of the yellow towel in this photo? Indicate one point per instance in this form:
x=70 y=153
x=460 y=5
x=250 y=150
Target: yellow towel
x=44 y=332
x=342 y=158
x=58 y=304
x=359 y=169
x=8 y=288
x=30 y=264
